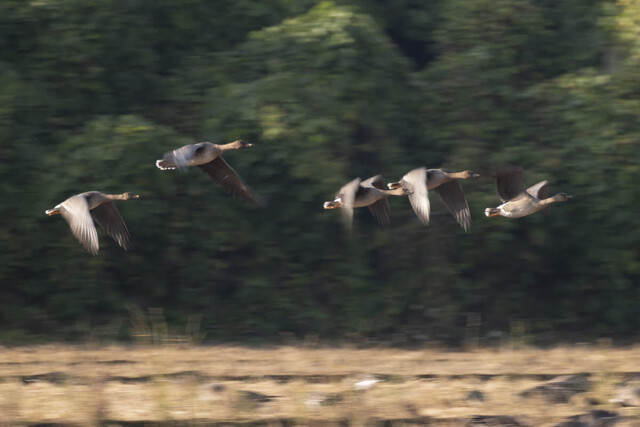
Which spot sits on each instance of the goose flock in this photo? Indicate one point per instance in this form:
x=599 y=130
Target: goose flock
x=82 y=211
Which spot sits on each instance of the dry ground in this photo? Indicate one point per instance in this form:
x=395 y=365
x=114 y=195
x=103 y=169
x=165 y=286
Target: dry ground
x=201 y=385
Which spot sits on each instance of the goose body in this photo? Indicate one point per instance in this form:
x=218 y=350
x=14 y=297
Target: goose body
x=208 y=157
x=419 y=181
x=517 y=201
x=370 y=193
x=82 y=210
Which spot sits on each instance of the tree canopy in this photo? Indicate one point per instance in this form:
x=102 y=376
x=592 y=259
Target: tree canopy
x=92 y=93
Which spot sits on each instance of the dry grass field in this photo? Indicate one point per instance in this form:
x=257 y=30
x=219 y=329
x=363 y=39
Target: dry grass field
x=226 y=385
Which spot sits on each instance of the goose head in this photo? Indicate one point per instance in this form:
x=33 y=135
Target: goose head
x=562 y=197
x=129 y=196
x=240 y=144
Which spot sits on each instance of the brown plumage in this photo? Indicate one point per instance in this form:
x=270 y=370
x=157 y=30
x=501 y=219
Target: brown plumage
x=370 y=193
x=208 y=157
x=81 y=210
x=443 y=182
x=517 y=201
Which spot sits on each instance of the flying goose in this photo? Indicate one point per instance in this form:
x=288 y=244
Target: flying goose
x=208 y=157
x=370 y=193
x=81 y=210
x=446 y=184
x=518 y=202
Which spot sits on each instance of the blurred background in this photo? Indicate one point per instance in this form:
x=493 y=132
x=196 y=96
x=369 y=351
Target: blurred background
x=93 y=92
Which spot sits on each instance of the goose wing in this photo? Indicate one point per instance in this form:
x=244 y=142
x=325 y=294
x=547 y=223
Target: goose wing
x=75 y=210
x=375 y=182
x=230 y=181
x=453 y=198
x=379 y=209
x=108 y=217
x=509 y=183
x=347 y=195
x=539 y=190
x=416 y=182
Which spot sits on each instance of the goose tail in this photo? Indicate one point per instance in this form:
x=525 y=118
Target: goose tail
x=489 y=212
x=165 y=164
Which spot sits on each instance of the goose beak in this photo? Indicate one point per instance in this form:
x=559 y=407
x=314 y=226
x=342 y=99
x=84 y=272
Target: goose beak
x=475 y=175
x=136 y=196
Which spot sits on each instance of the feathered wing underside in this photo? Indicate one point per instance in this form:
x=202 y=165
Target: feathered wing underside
x=75 y=211
x=416 y=182
x=230 y=181
x=453 y=198
x=509 y=183
x=539 y=190
x=380 y=211
x=108 y=217
x=347 y=195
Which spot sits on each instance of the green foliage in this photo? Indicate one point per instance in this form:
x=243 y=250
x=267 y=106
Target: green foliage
x=92 y=93
x=410 y=24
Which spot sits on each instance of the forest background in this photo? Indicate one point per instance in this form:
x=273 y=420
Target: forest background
x=93 y=92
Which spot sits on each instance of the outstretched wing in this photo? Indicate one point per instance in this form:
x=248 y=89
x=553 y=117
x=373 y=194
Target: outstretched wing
x=375 y=182
x=347 y=195
x=380 y=211
x=453 y=197
x=509 y=183
x=75 y=210
x=416 y=182
x=108 y=217
x=539 y=190
x=230 y=181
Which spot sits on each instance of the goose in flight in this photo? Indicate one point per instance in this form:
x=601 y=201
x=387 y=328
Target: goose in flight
x=208 y=157
x=518 y=202
x=82 y=210
x=370 y=193
x=443 y=182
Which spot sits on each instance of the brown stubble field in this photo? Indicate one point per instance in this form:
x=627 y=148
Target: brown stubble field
x=227 y=385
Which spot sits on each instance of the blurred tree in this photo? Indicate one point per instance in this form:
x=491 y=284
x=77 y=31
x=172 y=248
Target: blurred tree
x=309 y=93
x=410 y=24
x=91 y=93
